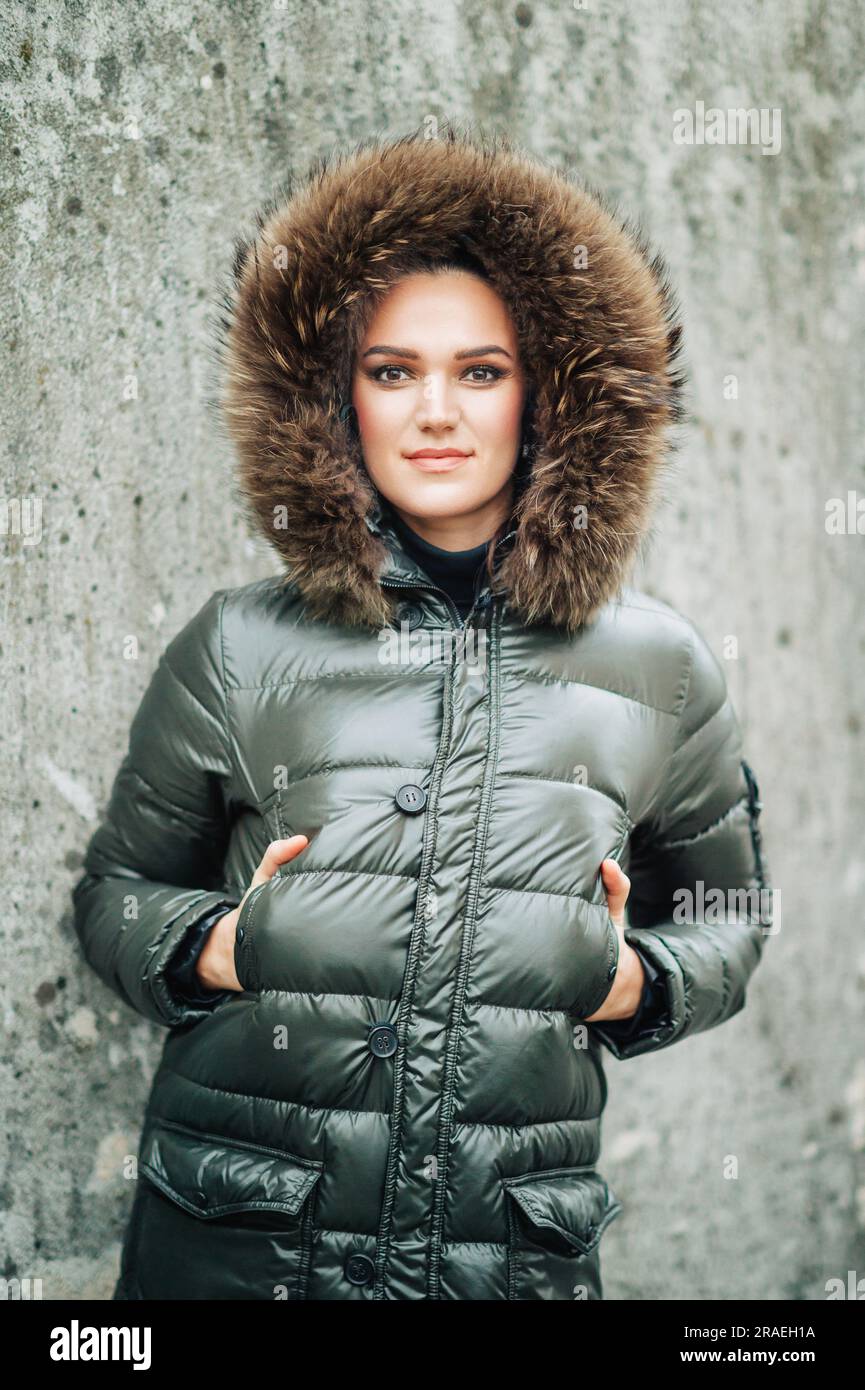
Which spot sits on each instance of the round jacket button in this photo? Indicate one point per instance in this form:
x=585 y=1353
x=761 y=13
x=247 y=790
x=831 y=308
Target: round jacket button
x=359 y=1268
x=240 y=933
x=410 y=614
x=611 y=972
x=201 y=1197
x=411 y=798
x=382 y=1040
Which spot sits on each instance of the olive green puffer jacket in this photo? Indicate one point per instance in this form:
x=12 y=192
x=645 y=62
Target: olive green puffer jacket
x=405 y=1101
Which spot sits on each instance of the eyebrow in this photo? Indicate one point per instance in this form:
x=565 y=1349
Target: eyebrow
x=385 y=351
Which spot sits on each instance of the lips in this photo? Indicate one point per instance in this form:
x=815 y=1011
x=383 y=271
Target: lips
x=437 y=460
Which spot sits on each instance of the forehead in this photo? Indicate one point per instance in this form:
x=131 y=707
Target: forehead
x=450 y=305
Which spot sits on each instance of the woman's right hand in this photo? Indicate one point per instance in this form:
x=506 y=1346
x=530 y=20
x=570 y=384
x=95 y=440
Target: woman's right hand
x=215 y=964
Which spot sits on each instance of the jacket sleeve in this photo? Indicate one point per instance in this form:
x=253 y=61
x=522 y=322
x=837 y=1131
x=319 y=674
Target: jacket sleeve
x=181 y=972
x=153 y=868
x=700 y=905
x=652 y=1008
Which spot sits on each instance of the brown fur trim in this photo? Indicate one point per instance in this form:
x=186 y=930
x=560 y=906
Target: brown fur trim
x=599 y=344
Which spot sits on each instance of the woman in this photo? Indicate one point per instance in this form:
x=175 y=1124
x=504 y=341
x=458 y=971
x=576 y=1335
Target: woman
x=366 y=856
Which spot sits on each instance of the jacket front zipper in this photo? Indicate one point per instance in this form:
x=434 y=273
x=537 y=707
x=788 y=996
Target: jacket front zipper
x=453 y=1036
x=415 y=949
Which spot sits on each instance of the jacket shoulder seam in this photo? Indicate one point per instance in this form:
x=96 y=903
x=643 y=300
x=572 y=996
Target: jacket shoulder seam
x=684 y=701
x=182 y=683
x=686 y=840
x=541 y=676
x=220 y=722
x=229 y=738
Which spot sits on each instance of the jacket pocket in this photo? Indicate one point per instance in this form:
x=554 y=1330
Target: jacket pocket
x=555 y=1222
x=220 y=1218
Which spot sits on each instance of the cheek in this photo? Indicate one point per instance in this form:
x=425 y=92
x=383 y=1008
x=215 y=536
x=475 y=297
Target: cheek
x=498 y=418
x=377 y=414
x=367 y=416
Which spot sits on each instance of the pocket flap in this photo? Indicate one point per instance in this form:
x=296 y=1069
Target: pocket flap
x=210 y=1175
x=577 y=1204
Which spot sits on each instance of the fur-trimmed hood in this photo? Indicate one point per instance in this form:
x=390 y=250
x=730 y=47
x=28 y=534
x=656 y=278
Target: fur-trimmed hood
x=598 y=331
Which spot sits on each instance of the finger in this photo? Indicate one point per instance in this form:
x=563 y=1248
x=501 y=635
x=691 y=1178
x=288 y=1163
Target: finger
x=614 y=877
x=617 y=886
x=277 y=852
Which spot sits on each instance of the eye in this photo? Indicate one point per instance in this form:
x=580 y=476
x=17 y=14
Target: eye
x=388 y=367
x=494 y=374
x=497 y=373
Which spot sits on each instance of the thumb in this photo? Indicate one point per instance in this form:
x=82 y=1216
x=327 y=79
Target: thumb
x=277 y=852
x=617 y=886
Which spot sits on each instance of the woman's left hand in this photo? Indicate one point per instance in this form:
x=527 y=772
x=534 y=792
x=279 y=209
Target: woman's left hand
x=623 y=999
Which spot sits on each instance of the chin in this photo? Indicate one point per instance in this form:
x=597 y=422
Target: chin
x=452 y=501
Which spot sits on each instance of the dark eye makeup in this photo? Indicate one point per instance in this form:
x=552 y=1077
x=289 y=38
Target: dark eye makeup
x=376 y=373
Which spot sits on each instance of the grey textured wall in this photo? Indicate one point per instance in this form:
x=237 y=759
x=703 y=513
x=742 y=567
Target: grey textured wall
x=136 y=140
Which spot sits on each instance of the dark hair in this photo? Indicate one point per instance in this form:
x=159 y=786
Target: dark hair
x=460 y=259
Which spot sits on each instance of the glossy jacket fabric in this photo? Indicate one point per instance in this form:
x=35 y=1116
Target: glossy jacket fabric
x=405 y=1101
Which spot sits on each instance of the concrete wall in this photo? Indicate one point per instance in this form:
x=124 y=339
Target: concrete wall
x=136 y=140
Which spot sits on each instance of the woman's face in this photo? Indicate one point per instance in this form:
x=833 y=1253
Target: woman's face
x=438 y=369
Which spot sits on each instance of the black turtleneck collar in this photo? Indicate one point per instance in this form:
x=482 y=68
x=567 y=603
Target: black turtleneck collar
x=455 y=571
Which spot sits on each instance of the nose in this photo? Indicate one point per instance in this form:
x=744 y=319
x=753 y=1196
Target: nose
x=437 y=404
